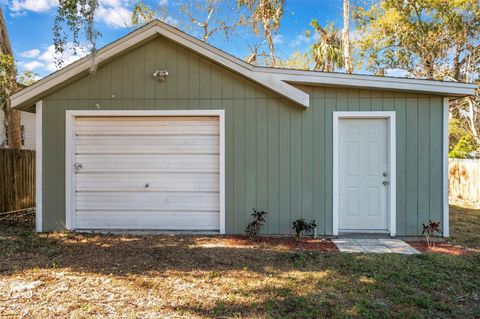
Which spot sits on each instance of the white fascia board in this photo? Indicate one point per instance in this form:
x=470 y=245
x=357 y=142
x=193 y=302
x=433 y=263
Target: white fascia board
x=373 y=82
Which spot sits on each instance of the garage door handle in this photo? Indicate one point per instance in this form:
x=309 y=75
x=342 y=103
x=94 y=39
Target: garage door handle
x=78 y=167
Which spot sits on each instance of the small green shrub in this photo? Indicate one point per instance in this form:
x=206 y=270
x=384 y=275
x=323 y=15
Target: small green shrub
x=255 y=226
x=430 y=229
x=302 y=227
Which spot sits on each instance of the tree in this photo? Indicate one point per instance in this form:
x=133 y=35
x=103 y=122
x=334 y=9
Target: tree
x=327 y=52
x=8 y=86
x=431 y=39
x=212 y=16
x=298 y=61
x=418 y=36
x=346 y=38
x=266 y=15
x=72 y=16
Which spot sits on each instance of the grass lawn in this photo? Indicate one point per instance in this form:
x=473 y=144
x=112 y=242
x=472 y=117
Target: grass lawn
x=465 y=225
x=85 y=276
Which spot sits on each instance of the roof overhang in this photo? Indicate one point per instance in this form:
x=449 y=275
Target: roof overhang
x=277 y=80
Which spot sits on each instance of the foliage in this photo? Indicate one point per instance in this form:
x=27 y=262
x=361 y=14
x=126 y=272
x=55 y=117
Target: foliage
x=430 y=229
x=7 y=68
x=142 y=13
x=298 y=60
x=72 y=15
x=302 y=227
x=464 y=148
x=327 y=52
x=27 y=78
x=255 y=226
x=266 y=16
x=7 y=83
x=419 y=36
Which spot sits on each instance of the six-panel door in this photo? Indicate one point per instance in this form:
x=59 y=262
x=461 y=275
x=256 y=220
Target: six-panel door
x=363 y=175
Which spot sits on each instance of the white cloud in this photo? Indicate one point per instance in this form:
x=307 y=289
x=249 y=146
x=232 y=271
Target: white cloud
x=114 y=13
x=33 y=65
x=163 y=2
x=44 y=61
x=33 y=53
x=33 y=5
x=278 y=39
x=300 y=39
x=68 y=56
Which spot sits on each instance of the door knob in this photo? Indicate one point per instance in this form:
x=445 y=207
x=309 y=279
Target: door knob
x=386 y=183
x=385 y=174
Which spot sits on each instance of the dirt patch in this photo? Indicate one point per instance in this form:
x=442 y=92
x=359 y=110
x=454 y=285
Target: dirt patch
x=440 y=248
x=283 y=243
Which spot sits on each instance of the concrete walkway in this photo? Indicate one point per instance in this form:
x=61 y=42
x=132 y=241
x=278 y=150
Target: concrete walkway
x=382 y=246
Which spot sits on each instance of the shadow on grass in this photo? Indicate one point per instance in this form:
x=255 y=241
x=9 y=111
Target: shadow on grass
x=306 y=285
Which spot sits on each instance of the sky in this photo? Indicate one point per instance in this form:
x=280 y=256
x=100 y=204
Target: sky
x=29 y=24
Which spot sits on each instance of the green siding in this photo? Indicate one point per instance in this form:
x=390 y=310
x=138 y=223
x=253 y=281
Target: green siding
x=278 y=154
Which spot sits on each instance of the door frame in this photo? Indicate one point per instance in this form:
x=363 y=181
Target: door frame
x=70 y=182
x=391 y=141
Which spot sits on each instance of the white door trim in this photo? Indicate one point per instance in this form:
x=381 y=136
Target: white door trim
x=70 y=152
x=38 y=168
x=390 y=116
x=446 y=223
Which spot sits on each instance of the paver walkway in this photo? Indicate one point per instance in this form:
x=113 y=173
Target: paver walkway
x=382 y=246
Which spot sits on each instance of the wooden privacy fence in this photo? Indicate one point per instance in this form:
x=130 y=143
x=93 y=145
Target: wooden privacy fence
x=464 y=179
x=17 y=179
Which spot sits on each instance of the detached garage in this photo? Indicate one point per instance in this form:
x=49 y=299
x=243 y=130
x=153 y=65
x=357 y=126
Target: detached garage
x=171 y=134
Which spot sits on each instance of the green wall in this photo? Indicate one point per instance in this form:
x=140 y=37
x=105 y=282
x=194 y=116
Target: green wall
x=278 y=154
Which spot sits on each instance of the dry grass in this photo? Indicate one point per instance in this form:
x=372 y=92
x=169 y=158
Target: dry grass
x=64 y=275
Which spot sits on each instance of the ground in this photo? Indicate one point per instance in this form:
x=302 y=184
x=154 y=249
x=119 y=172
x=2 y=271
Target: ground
x=85 y=275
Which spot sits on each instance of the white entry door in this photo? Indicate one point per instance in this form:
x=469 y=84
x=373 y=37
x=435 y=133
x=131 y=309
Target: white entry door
x=150 y=173
x=363 y=175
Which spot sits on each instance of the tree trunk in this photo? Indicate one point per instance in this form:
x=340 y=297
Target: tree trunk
x=472 y=119
x=268 y=35
x=346 y=37
x=12 y=117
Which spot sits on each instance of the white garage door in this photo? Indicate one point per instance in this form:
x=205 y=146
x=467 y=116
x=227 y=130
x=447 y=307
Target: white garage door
x=158 y=173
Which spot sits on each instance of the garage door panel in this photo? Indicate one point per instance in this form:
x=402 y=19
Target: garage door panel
x=148 y=200
x=149 y=163
x=203 y=182
x=147 y=140
x=148 y=220
x=147 y=173
x=158 y=148
x=147 y=126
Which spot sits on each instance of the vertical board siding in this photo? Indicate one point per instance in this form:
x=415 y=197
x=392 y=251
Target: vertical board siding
x=278 y=154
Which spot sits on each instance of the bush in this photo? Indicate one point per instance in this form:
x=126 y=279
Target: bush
x=255 y=226
x=301 y=226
